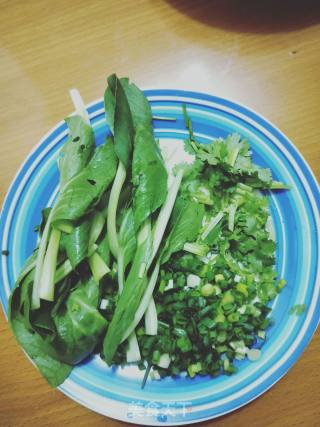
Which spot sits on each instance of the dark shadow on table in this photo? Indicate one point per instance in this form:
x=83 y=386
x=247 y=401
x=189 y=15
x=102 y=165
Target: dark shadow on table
x=256 y=16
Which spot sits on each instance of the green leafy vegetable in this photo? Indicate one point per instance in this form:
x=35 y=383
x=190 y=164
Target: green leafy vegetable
x=76 y=244
x=79 y=324
x=181 y=238
x=84 y=191
x=149 y=176
x=77 y=151
x=53 y=370
x=131 y=296
x=185 y=225
x=127 y=243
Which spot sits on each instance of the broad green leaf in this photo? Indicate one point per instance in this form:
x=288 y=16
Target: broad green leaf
x=79 y=324
x=77 y=151
x=76 y=243
x=83 y=192
x=139 y=105
x=184 y=226
x=149 y=176
x=123 y=126
x=54 y=371
x=110 y=100
x=119 y=118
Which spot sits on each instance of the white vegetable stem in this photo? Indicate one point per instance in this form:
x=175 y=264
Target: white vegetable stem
x=112 y=209
x=39 y=263
x=215 y=220
x=133 y=352
x=49 y=266
x=165 y=213
x=120 y=271
x=151 y=319
x=79 y=105
x=144 y=302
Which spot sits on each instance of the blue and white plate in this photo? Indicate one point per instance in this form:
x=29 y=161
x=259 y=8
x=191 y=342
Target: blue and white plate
x=117 y=392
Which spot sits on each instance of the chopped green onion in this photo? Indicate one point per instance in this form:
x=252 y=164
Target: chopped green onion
x=194 y=369
x=164 y=361
x=254 y=354
x=218 y=277
x=298 y=309
x=207 y=290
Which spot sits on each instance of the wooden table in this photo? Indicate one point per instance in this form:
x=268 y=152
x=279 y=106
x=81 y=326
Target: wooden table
x=265 y=54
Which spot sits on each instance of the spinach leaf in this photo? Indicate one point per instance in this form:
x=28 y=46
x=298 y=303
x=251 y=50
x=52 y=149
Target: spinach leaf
x=77 y=151
x=184 y=226
x=83 y=192
x=149 y=176
x=76 y=243
x=79 y=324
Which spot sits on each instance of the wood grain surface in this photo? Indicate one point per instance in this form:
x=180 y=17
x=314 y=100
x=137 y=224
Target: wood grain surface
x=265 y=54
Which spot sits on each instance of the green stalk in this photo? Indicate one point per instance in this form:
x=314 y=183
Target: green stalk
x=62 y=271
x=112 y=209
x=97 y=225
x=46 y=291
x=65 y=226
x=196 y=248
x=98 y=267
